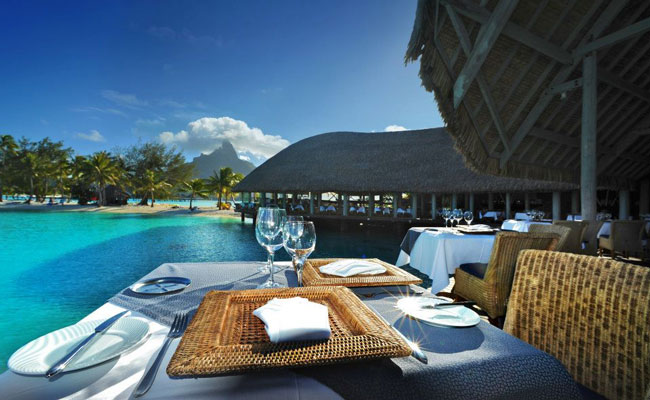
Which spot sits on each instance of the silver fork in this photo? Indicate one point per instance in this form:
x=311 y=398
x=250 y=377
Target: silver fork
x=176 y=331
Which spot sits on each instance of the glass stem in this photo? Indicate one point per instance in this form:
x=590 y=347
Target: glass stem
x=299 y=265
x=270 y=261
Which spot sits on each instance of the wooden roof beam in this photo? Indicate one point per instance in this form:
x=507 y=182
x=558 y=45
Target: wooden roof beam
x=512 y=30
x=564 y=87
x=486 y=38
x=622 y=84
x=603 y=21
x=555 y=137
x=626 y=33
x=465 y=43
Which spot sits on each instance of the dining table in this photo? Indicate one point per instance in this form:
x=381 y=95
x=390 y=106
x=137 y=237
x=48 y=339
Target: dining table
x=475 y=362
x=437 y=252
x=520 y=226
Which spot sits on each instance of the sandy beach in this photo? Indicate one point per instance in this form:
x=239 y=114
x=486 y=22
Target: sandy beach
x=164 y=209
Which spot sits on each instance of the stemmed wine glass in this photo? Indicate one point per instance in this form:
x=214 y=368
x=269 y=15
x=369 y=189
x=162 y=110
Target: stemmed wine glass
x=469 y=217
x=457 y=216
x=268 y=231
x=292 y=218
x=299 y=239
x=446 y=214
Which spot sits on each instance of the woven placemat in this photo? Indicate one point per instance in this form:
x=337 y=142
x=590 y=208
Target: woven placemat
x=225 y=337
x=393 y=276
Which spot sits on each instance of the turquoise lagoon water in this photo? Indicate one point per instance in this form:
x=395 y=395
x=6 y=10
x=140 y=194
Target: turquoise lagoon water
x=56 y=267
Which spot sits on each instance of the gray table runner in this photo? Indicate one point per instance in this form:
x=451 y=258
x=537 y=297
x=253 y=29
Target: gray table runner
x=478 y=362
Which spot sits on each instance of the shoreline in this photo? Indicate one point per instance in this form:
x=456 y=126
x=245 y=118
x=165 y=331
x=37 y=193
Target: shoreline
x=157 y=209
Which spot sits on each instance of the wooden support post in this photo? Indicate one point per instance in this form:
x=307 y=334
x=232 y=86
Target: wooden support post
x=526 y=201
x=508 y=200
x=471 y=202
x=557 y=200
x=263 y=199
x=624 y=204
x=434 y=207
x=311 y=203
x=454 y=201
x=414 y=205
x=588 y=196
x=644 y=197
x=345 y=205
x=275 y=198
x=575 y=202
x=490 y=201
x=396 y=199
x=320 y=200
x=371 y=205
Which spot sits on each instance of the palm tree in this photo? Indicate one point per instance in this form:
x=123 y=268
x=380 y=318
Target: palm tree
x=152 y=184
x=32 y=168
x=223 y=182
x=8 y=149
x=196 y=187
x=102 y=171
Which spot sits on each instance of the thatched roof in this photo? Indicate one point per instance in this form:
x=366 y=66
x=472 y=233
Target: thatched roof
x=516 y=109
x=422 y=161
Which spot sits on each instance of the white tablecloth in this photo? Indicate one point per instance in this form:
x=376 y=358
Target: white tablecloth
x=522 y=216
x=116 y=379
x=437 y=254
x=492 y=214
x=519 y=226
x=605 y=229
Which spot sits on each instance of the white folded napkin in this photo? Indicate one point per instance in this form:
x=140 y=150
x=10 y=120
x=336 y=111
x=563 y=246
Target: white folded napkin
x=479 y=227
x=345 y=268
x=294 y=319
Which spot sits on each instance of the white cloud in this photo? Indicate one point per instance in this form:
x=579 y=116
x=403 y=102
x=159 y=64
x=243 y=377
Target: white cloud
x=99 y=110
x=244 y=157
x=206 y=134
x=158 y=121
x=123 y=99
x=93 y=136
x=394 y=128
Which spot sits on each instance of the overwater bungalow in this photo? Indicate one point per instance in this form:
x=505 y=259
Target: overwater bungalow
x=367 y=168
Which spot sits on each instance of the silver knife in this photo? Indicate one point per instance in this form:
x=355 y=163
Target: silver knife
x=415 y=349
x=63 y=362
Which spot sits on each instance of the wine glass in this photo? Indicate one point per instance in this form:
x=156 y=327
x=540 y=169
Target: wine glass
x=457 y=215
x=268 y=231
x=446 y=213
x=296 y=230
x=299 y=239
x=469 y=217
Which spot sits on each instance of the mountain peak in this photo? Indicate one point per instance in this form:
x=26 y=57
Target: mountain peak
x=224 y=156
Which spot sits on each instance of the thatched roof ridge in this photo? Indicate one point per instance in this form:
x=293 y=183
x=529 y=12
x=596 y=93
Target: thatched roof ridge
x=517 y=75
x=420 y=161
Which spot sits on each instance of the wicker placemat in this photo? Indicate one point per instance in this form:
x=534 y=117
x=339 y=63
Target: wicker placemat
x=225 y=337
x=393 y=276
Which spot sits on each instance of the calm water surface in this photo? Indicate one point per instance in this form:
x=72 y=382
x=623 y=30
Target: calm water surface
x=56 y=267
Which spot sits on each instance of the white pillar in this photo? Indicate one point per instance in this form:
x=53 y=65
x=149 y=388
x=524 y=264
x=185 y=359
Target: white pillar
x=557 y=198
x=434 y=208
x=644 y=197
x=471 y=202
x=311 y=203
x=454 y=201
x=490 y=201
x=526 y=201
x=575 y=202
x=371 y=204
x=508 y=216
x=588 y=138
x=345 y=205
x=623 y=204
x=396 y=198
x=414 y=205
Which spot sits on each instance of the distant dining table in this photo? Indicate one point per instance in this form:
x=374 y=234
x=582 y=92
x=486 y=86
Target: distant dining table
x=520 y=226
x=437 y=252
x=476 y=362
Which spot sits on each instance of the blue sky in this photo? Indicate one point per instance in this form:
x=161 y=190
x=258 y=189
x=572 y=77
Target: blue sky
x=100 y=75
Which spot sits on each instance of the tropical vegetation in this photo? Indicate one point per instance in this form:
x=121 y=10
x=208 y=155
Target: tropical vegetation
x=148 y=171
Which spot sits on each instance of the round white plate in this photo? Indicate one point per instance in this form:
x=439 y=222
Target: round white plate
x=457 y=317
x=39 y=355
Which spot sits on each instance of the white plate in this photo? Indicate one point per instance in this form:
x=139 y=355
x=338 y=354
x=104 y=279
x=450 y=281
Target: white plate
x=457 y=317
x=39 y=355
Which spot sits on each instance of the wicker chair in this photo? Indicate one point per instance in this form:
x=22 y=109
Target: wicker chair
x=573 y=243
x=625 y=238
x=562 y=231
x=590 y=238
x=489 y=284
x=591 y=313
